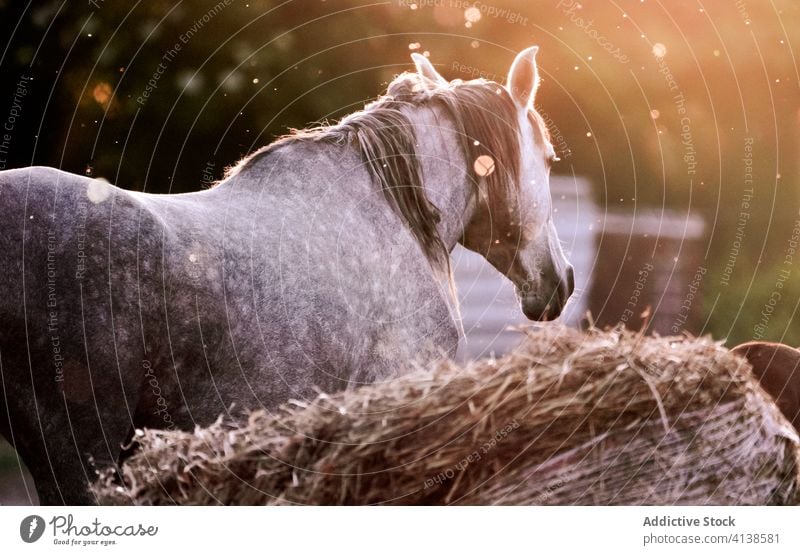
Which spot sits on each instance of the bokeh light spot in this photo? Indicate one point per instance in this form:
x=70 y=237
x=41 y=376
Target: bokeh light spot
x=102 y=93
x=472 y=15
x=98 y=190
x=484 y=165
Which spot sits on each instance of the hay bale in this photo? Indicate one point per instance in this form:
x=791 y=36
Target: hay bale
x=569 y=418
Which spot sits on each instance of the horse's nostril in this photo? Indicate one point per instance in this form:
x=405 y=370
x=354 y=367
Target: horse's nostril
x=569 y=284
x=570 y=279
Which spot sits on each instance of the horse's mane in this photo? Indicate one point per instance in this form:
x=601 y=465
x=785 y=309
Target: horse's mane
x=485 y=119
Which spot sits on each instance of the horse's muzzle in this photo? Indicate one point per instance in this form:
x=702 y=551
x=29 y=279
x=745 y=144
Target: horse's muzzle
x=544 y=307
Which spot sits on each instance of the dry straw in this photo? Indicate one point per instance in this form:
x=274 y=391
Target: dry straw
x=569 y=418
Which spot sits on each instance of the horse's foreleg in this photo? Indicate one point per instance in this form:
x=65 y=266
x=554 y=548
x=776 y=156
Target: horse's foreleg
x=60 y=473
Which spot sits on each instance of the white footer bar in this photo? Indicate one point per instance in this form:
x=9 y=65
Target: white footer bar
x=400 y=530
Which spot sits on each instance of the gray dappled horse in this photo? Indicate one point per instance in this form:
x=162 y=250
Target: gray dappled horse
x=319 y=262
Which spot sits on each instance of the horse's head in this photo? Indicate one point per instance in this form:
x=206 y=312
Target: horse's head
x=512 y=225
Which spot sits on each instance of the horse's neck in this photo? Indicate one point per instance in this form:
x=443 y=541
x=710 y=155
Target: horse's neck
x=444 y=172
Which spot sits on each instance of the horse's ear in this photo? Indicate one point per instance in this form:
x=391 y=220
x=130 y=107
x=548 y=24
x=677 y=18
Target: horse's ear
x=426 y=69
x=523 y=78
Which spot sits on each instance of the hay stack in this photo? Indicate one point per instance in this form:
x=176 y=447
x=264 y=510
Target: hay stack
x=569 y=418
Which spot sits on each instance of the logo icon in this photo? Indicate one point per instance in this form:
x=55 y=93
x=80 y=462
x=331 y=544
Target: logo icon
x=31 y=528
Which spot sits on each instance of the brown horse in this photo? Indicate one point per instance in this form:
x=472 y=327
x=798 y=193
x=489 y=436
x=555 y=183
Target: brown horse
x=777 y=367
